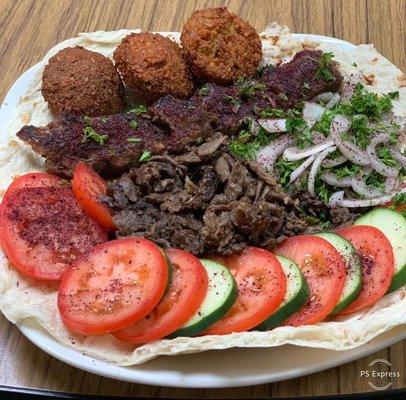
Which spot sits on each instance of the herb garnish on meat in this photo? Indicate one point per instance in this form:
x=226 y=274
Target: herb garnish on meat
x=90 y=133
x=145 y=156
x=324 y=67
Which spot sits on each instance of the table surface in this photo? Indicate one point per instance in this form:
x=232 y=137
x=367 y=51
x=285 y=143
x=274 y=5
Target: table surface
x=28 y=28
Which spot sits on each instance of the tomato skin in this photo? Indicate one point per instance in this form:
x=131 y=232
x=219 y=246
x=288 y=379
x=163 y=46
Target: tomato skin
x=377 y=262
x=324 y=270
x=261 y=288
x=88 y=187
x=185 y=294
x=112 y=286
x=44 y=230
x=32 y=179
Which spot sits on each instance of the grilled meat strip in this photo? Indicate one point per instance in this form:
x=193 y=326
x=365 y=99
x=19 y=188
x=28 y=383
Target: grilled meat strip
x=177 y=122
x=112 y=144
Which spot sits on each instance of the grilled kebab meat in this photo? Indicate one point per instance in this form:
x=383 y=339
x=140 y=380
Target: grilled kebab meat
x=175 y=122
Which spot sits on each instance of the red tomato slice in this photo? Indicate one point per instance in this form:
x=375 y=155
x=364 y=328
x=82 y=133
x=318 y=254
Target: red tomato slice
x=261 y=287
x=324 y=270
x=377 y=262
x=32 y=179
x=44 y=230
x=88 y=188
x=183 y=298
x=112 y=286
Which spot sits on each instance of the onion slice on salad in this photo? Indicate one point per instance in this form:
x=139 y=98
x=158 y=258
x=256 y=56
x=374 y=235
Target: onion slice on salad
x=339 y=125
x=315 y=169
x=335 y=198
x=333 y=180
x=334 y=162
x=376 y=163
x=273 y=125
x=300 y=169
x=312 y=111
x=333 y=101
x=398 y=156
x=326 y=96
x=294 y=153
x=268 y=155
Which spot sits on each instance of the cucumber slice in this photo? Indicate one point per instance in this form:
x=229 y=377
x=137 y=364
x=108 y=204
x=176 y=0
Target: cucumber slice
x=353 y=280
x=220 y=297
x=393 y=225
x=297 y=293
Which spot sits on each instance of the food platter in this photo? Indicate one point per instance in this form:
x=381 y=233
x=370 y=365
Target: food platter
x=229 y=368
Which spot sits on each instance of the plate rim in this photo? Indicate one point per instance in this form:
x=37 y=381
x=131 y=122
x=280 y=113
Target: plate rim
x=132 y=374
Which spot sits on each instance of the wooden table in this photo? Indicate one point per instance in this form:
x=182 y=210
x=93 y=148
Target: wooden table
x=28 y=28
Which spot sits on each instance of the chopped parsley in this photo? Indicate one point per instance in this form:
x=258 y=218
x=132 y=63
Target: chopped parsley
x=285 y=169
x=133 y=124
x=249 y=88
x=282 y=96
x=399 y=203
x=376 y=181
x=347 y=170
x=354 y=64
x=90 y=134
x=104 y=120
x=306 y=86
x=138 y=110
x=204 y=90
x=145 y=156
x=324 y=72
x=133 y=140
x=386 y=157
x=323 y=190
x=302 y=133
x=232 y=100
x=271 y=113
x=246 y=145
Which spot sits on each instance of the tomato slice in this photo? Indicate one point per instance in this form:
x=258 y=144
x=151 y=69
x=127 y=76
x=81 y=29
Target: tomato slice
x=44 y=230
x=261 y=287
x=112 y=286
x=324 y=270
x=377 y=262
x=185 y=294
x=32 y=179
x=88 y=188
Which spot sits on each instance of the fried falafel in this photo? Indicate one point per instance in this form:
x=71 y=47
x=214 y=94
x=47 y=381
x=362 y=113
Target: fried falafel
x=82 y=82
x=152 y=66
x=219 y=46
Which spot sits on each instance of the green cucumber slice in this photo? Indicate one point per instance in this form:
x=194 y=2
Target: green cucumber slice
x=393 y=225
x=297 y=293
x=353 y=279
x=220 y=297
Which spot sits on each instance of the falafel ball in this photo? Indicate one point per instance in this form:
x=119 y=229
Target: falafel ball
x=219 y=46
x=152 y=66
x=82 y=82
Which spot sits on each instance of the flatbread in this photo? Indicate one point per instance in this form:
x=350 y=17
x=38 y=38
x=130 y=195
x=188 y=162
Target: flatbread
x=22 y=298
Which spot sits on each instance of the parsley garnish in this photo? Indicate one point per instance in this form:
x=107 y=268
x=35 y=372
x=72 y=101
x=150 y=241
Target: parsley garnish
x=399 y=202
x=386 y=157
x=347 y=170
x=249 y=88
x=375 y=180
x=285 y=168
x=90 y=133
x=104 y=120
x=271 y=113
x=323 y=72
x=302 y=133
x=138 y=110
x=204 y=90
x=133 y=140
x=246 y=145
x=133 y=124
x=232 y=100
x=354 y=64
x=145 y=156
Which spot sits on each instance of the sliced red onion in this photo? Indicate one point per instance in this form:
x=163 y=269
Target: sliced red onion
x=333 y=180
x=326 y=96
x=375 y=162
x=273 y=125
x=317 y=137
x=315 y=169
x=312 y=111
x=349 y=83
x=333 y=101
x=391 y=184
x=300 y=169
x=334 y=162
x=294 y=153
x=375 y=201
x=269 y=154
x=339 y=125
x=335 y=198
x=398 y=156
x=360 y=187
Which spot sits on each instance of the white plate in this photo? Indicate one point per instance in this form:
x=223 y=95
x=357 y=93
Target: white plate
x=211 y=369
